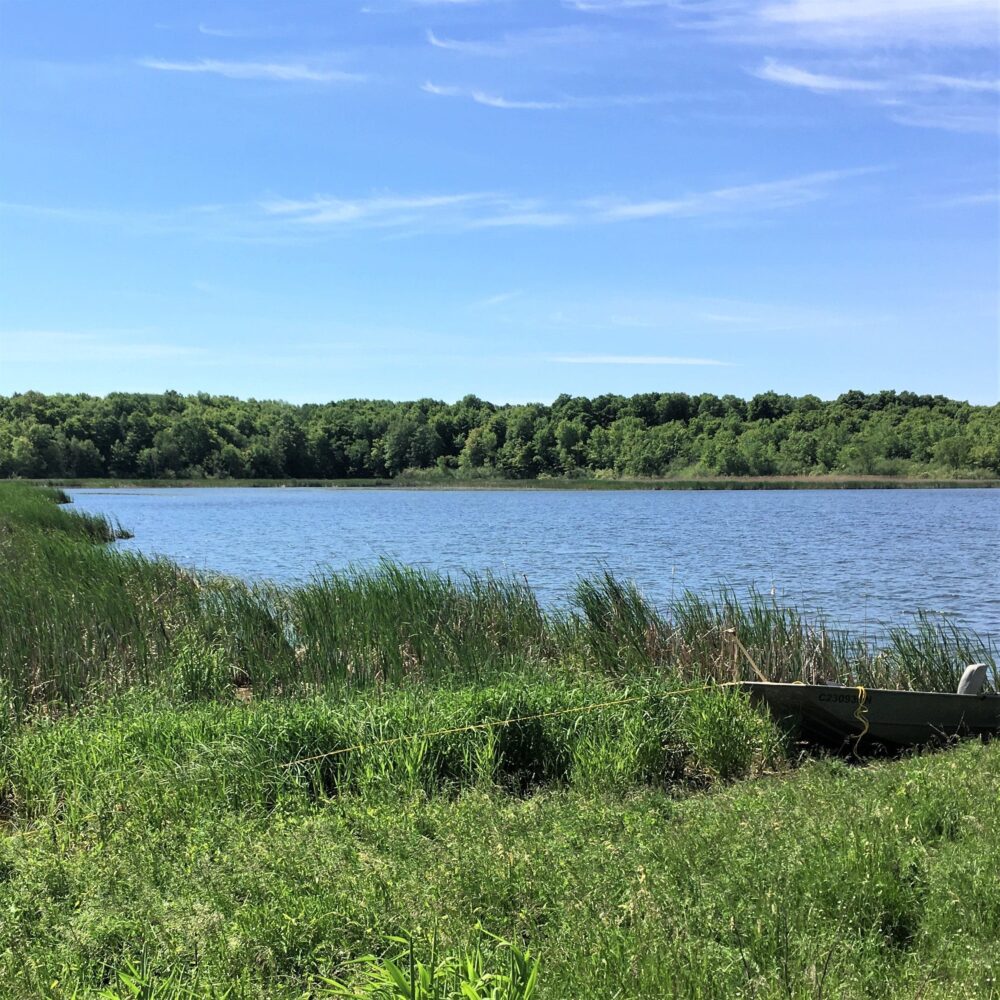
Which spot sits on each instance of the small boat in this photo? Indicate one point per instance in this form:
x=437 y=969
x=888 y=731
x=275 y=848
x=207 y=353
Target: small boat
x=837 y=716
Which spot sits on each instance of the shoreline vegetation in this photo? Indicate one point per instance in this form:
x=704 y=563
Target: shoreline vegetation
x=431 y=480
x=215 y=789
x=671 y=437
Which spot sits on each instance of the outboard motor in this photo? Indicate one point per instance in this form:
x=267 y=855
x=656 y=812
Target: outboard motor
x=973 y=679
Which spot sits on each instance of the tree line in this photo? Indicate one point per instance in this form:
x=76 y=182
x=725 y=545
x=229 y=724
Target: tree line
x=168 y=435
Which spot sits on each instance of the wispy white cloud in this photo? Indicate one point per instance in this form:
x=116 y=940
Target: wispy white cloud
x=634 y=359
x=514 y=43
x=282 y=220
x=932 y=100
x=948 y=117
x=942 y=81
x=249 y=31
x=615 y=6
x=396 y=6
x=930 y=63
x=970 y=200
x=528 y=219
x=205 y=29
x=467 y=47
x=793 y=76
x=558 y=104
x=760 y=197
x=288 y=72
x=465 y=211
x=490 y=100
x=885 y=22
x=485 y=210
x=382 y=210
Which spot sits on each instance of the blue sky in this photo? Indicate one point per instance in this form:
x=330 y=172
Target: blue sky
x=516 y=198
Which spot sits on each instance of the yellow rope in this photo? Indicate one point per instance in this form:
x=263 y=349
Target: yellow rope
x=861 y=714
x=494 y=723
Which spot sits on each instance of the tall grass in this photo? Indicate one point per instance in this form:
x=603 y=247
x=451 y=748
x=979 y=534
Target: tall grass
x=399 y=623
x=79 y=621
x=724 y=638
x=23 y=506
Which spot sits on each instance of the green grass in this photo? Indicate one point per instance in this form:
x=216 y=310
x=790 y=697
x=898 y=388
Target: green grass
x=389 y=783
x=832 y=881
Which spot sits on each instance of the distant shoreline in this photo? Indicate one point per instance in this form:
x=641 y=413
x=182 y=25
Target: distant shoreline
x=449 y=483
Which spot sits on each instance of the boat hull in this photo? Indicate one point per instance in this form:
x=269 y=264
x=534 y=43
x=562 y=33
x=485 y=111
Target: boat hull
x=834 y=715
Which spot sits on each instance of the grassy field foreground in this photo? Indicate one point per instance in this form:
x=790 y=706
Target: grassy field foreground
x=182 y=813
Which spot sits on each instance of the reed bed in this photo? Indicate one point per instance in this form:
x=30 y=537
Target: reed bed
x=399 y=623
x=725 y=638
x=36 y=507
x=80 y=622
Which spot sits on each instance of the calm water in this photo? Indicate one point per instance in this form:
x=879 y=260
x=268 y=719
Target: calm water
x=864 y=556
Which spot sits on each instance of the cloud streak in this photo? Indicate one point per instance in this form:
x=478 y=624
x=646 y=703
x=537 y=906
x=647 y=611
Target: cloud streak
x=285 y=72
x=765 y=196
x=923 y=49
x=793 y=76
x=615 y=6
x=971 y=200
x=829 y=24
x=485 y=210
x=884 y=22
x=382 y=210
x=514 y=43
x=931 y=100
x=279 y=219
x=491 y=100
x=559 y=104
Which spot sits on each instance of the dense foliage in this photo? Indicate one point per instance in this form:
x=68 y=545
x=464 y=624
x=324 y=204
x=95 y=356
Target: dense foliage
x=129 y=435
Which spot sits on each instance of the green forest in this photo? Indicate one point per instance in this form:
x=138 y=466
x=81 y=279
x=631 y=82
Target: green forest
x=169 y=435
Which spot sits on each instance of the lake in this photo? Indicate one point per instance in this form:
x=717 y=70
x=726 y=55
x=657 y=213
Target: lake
x=862 y=557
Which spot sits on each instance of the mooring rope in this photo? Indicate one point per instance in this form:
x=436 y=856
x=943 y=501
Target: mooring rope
x=861 y=714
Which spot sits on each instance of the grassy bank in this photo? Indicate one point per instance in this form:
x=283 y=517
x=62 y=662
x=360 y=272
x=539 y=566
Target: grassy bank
x=215 y=789
x=429 y=479
x=828 y=881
